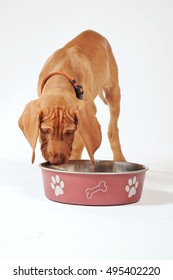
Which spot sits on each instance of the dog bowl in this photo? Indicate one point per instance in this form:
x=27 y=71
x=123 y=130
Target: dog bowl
x=102 y=183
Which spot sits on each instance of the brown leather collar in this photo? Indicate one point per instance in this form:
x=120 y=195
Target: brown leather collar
x=78 y=88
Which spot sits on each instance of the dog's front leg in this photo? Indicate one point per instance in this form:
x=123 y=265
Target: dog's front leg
x=77 y=147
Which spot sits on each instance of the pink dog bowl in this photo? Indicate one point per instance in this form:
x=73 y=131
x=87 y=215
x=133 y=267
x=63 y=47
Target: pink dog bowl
x=102 y=183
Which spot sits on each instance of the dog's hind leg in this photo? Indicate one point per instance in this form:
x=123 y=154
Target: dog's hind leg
x=113 y=100
x=112 y=95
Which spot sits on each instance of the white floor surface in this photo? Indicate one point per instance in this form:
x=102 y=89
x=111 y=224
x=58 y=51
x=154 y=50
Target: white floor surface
x=32 y=227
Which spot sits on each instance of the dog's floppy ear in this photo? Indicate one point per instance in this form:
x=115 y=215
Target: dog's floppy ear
x=89 y=128
x=29 y=123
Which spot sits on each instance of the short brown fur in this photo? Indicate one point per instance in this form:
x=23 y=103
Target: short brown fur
x=63 y=123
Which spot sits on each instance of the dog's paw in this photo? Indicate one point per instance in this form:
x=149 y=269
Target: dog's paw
x=57 y=185
x=132 y=186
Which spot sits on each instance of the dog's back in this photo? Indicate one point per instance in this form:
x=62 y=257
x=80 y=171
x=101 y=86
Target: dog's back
x=88 y=58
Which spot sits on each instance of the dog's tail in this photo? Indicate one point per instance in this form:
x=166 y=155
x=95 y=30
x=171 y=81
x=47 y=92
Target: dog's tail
x=102 y=97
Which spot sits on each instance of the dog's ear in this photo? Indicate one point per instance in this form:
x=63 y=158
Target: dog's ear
x=29 y=123
x=89 y=128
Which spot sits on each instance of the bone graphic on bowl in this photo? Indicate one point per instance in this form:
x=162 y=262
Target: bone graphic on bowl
x=100 y=187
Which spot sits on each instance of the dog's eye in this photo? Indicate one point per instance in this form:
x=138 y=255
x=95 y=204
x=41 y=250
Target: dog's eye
x=69 y=133
x=44 y=131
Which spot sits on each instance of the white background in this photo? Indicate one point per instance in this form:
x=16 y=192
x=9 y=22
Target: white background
x=140 y=33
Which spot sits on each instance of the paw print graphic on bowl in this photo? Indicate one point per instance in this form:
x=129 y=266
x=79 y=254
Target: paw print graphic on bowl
x=131 y=187
x=57 y=185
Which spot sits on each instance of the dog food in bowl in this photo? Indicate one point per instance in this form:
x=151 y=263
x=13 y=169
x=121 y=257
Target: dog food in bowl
x=102 y=183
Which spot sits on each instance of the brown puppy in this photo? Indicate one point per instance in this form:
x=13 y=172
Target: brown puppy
x=63 y=122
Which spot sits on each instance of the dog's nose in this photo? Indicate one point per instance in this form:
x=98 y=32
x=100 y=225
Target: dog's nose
x=57 y=158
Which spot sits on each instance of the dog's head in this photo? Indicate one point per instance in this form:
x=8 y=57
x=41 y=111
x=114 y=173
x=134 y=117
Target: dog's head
x=55 y=119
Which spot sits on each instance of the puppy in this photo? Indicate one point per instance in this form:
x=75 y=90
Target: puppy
x=63 y=117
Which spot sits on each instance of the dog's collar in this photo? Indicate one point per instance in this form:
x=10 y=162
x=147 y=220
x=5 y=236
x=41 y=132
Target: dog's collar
x=78 y=88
